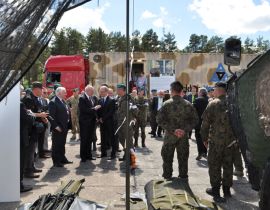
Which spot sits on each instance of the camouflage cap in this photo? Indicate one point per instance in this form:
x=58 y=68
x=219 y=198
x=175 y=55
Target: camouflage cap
x=221 y=85
x=121 y=86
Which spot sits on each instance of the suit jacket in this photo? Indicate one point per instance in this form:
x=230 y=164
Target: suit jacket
x=86 y=108
x=107 y=110
x=154 y=105
x=200 y=105
x=59 y=114
x=26 y=122
x=189 y=98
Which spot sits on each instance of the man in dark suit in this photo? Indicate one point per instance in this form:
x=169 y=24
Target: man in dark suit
x=156 y=105
x=59 y=118
x=200 y=105
x=191 y=98
x=106 y=120
x=88 y=106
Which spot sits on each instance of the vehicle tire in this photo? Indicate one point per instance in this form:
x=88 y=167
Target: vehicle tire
x=265 y=189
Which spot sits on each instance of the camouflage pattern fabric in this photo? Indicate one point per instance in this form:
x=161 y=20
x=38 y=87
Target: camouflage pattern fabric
x=141 y=118
x=73 y=102
x=121 y=114
x=217 y=130
x=152 y=115
x=237 y=158
x=176 y=113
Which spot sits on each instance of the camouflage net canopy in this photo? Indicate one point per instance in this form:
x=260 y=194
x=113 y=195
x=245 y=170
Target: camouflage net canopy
x=26 y=27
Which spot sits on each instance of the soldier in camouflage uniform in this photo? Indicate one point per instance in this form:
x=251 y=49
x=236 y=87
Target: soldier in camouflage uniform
x=141 y=118
x=216 y=130
x=121 y=115
x=177 y=117
x=73 y=103
x=152 y=112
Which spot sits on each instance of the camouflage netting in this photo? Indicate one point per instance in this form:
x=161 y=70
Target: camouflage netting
x=26 y=28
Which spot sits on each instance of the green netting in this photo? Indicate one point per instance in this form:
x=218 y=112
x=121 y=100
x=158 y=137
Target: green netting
x=26 y=28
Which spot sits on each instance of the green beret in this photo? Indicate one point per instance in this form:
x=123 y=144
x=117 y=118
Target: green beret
x=57 y=85
x=76 y=89
x=37 y=85
x=221 y=85
x=121 y=85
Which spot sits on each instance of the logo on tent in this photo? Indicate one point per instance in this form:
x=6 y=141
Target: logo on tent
x=219 y=75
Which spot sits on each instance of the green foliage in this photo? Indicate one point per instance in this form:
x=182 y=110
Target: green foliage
x=117 y=42
x=67 y=41
x=150 y=42
x=36 y=71
x=97 y=41
x=168 y=43
x=136 y=41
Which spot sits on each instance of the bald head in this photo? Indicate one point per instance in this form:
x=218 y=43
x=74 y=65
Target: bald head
x=161 y=93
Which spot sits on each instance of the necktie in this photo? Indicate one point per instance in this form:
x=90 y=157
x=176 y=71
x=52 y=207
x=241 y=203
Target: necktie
x=91 y=101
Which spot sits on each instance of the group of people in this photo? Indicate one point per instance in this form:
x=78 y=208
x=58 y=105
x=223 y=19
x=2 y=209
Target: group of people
x=83 y=112
x=209 y=116
x=172 y=114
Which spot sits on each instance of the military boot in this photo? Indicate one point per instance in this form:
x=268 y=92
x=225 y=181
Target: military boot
x=226 y=192
x=215 y=192
x=73 y=137
x=143 y=142
x=136 y=142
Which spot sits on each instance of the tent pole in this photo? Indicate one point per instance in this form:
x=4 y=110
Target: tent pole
x=127 y=152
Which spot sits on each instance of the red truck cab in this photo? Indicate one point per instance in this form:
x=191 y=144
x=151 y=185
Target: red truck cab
x=71 y=71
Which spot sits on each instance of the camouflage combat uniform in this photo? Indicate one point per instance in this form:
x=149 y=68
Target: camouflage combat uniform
x=217 y=130
x=176 y=113
x=141 y=119
x=121 y=114
x=73 y=102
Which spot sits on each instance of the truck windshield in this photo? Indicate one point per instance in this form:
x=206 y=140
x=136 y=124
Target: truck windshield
x=53 y=77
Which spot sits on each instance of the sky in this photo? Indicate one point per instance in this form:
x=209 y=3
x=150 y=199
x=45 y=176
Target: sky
x=243 y=18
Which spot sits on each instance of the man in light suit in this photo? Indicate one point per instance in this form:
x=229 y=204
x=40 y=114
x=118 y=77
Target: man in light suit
x=59 y=118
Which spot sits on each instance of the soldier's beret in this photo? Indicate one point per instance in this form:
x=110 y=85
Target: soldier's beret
x=121 y=86
x=57 y=85
x=37 y=85
x=76 y=89
x=153 y=90
x=221 y=85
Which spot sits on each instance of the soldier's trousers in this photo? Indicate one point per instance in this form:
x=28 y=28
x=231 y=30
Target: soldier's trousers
x=220 y=157
x=75 y=124
x=153 y=122
x=122 y=135
x=167 y=153
x=237 y=158
x=139 y=126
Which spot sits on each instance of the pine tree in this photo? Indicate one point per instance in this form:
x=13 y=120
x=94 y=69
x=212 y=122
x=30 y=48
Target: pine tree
x=150 y=41
x=168 y=43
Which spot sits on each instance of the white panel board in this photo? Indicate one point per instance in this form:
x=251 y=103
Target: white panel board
x=10 y=146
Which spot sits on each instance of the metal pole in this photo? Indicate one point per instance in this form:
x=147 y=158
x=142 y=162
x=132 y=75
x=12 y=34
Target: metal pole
x=127 y=157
